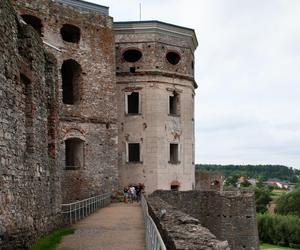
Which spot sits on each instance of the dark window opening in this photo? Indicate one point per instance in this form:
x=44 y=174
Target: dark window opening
x=133 y=103
x=35 y=22
x=173 y=57
x=174 y=153
x=193 y=65
x=71 y=78
x=74 y=153
x=174 y=187
x=132 y=69
x=133 y=152
x=174 y=104
x=70 y=33
x=132 y=55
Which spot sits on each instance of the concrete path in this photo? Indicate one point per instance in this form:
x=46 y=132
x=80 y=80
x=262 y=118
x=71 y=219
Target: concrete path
x=118 y=226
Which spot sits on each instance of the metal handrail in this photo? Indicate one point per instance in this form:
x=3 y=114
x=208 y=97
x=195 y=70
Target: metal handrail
x=78 y=210
x=153 y=237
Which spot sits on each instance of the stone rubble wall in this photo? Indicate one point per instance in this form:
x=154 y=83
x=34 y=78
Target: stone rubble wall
x=180 y=230
x=29 y=176
x=229 y=216
x=94 y=118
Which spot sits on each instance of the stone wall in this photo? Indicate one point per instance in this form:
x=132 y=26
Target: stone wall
x=92 y=119
x=207 y=181
x=29 y=176
x=181 y=231
x=229 y=216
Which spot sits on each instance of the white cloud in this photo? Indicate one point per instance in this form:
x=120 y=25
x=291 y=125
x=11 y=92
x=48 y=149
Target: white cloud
x=247 y=69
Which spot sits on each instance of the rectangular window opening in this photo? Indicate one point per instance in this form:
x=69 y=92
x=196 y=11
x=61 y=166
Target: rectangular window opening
x=74 y=153
x=133 y=103
x=134 y=152
x=174 y=104
x=132 y=69
x=174 y=153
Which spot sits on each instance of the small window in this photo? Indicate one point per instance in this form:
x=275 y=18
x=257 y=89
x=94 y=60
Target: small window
x=74 y=153
x=173 y=57
x=70 y=33
x=134 y=152
x=174 y=104
x=175 y=185
x=133 y=103
x=174 y=153
x=35 y=22
x=132 y=55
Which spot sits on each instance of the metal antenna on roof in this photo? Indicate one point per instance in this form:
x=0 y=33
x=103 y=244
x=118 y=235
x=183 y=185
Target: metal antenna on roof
x=140 y=12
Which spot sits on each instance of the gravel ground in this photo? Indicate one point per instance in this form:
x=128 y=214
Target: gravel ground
x=118 y=226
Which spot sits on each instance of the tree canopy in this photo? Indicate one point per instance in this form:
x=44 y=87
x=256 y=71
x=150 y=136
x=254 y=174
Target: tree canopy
x=262 y=172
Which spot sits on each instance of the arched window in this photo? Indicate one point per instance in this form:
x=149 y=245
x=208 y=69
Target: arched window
x=74 y=154
x=70 y=33
x=35 y=22
x=71 y=78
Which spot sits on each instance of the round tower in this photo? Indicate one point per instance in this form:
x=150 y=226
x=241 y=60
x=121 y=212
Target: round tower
x=156 y=88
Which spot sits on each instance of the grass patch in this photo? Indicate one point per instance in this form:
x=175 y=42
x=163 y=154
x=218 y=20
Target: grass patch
x=50 y=241
x=275 y=247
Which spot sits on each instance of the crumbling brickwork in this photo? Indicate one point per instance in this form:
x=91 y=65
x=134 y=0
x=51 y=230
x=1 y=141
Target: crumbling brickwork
x=209 y=181
x=229 y=216
x=29 y=175
x=82 y=40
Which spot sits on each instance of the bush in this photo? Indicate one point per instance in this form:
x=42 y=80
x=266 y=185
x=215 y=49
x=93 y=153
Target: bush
x=262 y=198
x=295 y=246
x=279 y=229
x=289 y=204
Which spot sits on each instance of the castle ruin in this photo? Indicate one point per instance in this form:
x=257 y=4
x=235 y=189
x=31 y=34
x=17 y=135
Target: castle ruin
x=88 y=105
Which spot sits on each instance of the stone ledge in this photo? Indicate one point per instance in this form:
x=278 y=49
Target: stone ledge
x=181 y=231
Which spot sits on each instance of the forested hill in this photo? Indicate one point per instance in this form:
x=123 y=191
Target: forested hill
x=263 y=172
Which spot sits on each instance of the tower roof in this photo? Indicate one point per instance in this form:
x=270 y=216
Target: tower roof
x=152 y=26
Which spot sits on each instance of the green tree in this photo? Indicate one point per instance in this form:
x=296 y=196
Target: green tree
x=289 y=203
x=232 y=180
x=262 y=199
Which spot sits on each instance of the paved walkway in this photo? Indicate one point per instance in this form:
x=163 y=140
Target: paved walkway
x=118 y=226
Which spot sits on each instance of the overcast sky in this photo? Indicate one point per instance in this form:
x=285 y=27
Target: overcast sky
x=248 y=72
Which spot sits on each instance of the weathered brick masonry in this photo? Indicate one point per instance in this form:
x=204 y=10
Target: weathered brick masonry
x=89 y=121
x=29 y=175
